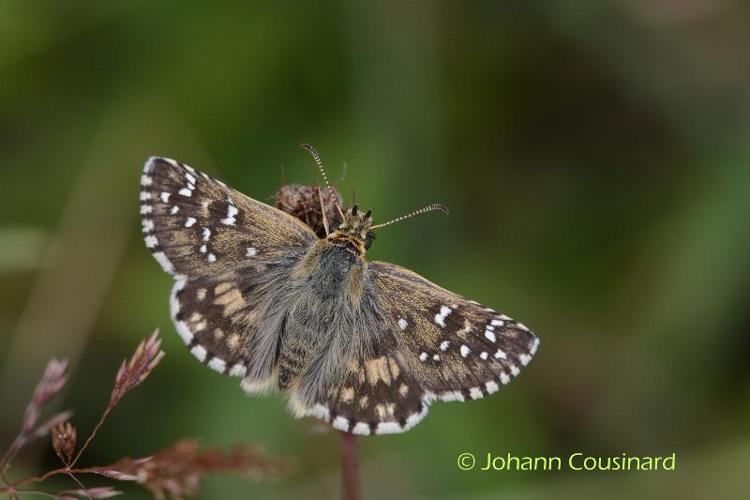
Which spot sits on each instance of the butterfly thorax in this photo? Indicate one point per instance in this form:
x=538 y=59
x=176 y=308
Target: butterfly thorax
x=353 y=233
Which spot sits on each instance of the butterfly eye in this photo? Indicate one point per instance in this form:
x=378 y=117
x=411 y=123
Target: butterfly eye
x=368 y=240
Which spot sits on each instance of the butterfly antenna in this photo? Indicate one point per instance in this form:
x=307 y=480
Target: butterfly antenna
x=424 y=210
x=314 y=152
x=323 y=213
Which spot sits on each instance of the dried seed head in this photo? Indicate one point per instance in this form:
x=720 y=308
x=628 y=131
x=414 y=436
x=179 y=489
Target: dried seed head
x=304 y=203
x=177 y=471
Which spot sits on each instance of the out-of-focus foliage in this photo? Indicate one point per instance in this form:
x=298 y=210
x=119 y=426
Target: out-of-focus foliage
x=594 y=156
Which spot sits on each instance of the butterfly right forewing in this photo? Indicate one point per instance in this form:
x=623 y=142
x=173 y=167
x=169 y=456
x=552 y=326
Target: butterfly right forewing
x=196 y=225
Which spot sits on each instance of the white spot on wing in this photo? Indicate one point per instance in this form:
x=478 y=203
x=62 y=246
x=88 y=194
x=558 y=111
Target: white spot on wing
x=174 y=309
x=423 y=356
x=229 y=220
x=497 y=322
x=490 y=335
x=475 y=393
x=524 y=359
x=146 y=209
x=190 y=221
x=341 y=423
x=484 y=355
x=361 y=428
x=162 y=259
x=452 y=396
x=534 y=346
x=237 y=370
x=217 y=364
x=146 y=180
x=444 y=345
x=388 y=428
x=444 y=313
x=211 y=258
x=199 y=352
x=402 y=323
x=491 y=387
x=206 y=234
x=415 y=418
x=319 y=411
x=174 y=210
x=465 y=351
x=251 y=252
x=185 y=192
x=500 y=354
x=504 y=378
x=151 y=241
x=165 y=196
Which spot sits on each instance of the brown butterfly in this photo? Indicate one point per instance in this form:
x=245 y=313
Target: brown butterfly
x=365 y=346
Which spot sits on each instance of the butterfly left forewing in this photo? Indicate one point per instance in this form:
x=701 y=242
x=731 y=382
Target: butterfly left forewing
x=456 y=348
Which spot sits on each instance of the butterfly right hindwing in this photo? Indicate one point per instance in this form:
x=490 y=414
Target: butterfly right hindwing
x=429 y=344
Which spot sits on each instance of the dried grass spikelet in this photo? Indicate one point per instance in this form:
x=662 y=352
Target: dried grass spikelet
x=177 y=471
x=64 y=438
x=133 y=371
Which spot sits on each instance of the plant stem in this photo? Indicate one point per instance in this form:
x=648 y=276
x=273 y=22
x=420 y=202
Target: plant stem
x=349 y=466
x=98 y=425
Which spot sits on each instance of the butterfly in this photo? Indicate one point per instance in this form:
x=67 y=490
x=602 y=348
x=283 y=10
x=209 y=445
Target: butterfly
x=365 y=346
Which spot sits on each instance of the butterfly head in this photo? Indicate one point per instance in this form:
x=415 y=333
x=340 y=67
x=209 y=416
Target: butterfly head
x=354 y=230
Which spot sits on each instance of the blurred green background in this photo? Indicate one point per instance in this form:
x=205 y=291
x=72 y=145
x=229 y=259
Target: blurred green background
x=594 y=156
